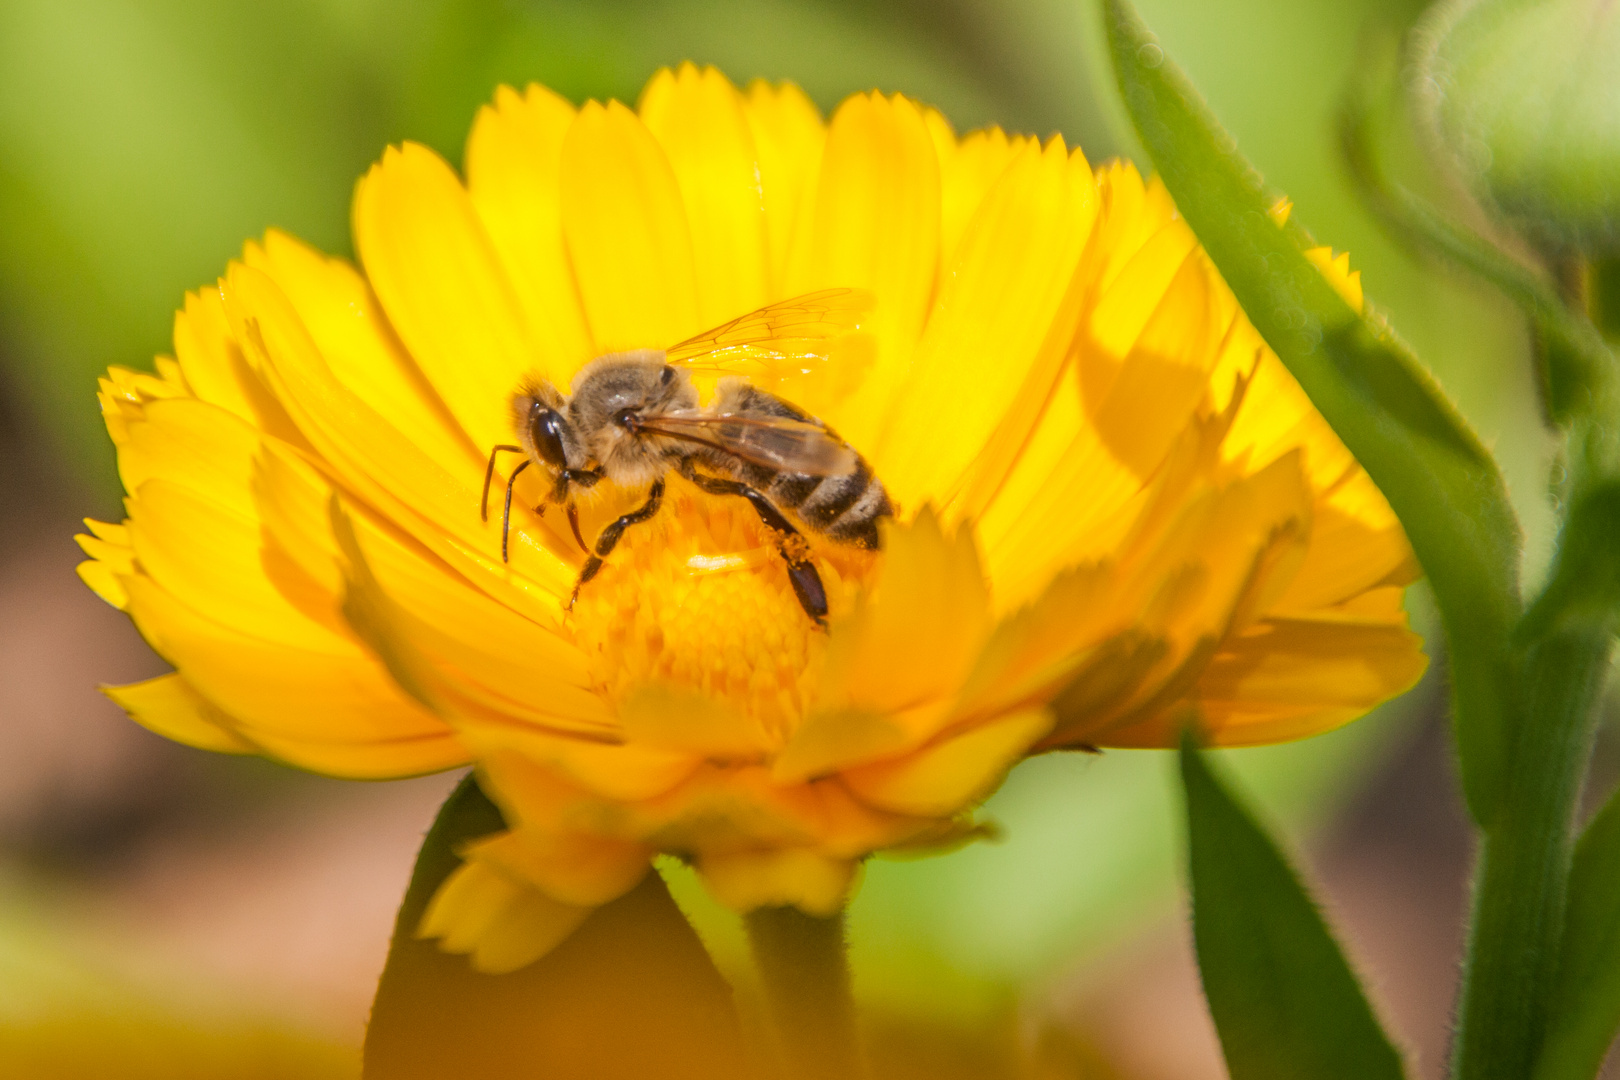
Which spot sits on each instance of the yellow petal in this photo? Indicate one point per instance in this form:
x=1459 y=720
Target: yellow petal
x=1275 y=415
x=1143 y=367
x=968 y=171
x=876 y=226
x=448 y=673
x=466 y=904
x=830 y=739
x=208 y=557
x=1225 y=543
x=209 y=358
x=672 y=718
x=1150 y=344
x=952 y=773
x=626 y=230
x=744 y=880
x=371 y=456
x=788 y=137
x=112 y=533
x=293 y=504
x=368 y=759
x=484 y=650
x=168 y=370
x=1066 y=500
x=1346 y=282
x=1356 y=542
x=214 y=367
x=503 y=923
x=300 y=694
x=103 y=581
x=751 y=810
x=698 y=118
x=1217 y=564
x=170 y=706
x=944 y=136
x=421 y=608
x=518 y=759
x=347 y=327
x=583 y=869
x=440 y=282
x=1033 y=652
x=140 y=387
x=109 y=561
x=514 y=168
x=1007 y=295
x=1290 y=678
x=912 y=639
x=199 y=446
x=1345 y=558
x=1134 y=211
x=1122 y=669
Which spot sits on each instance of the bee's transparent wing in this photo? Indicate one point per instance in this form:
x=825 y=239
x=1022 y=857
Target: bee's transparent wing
x=776 y=442
x=779 y=340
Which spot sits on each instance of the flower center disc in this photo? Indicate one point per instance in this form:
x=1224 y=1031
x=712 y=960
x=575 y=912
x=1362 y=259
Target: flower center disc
x=698 y=599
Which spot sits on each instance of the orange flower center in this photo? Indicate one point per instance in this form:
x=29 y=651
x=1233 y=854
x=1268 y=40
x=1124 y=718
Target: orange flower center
x=698 y=599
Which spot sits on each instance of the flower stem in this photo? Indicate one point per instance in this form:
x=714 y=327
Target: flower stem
x=1523 y=874
x=803 y=964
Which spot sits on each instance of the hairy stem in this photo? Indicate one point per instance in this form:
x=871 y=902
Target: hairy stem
x=1523 y=873
x=805 y=970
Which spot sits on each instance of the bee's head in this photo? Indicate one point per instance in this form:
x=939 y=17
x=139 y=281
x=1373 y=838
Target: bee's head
x=539 y=414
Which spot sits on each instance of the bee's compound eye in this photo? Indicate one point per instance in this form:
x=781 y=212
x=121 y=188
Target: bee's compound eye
x=545 y=430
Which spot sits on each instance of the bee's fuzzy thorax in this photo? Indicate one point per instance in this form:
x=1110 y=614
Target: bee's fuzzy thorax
x=637 y=382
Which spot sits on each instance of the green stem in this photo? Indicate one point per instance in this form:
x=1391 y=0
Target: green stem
x=804 y=967
x=1523 y=873
x=1603 y=296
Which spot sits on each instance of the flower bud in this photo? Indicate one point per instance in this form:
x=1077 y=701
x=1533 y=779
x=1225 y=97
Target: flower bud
x=1525 y=96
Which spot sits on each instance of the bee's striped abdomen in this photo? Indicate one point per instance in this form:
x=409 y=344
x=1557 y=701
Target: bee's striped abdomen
x=844 y=508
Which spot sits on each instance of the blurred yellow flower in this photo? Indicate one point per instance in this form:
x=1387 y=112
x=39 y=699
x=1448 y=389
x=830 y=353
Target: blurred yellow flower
x=1117 y=510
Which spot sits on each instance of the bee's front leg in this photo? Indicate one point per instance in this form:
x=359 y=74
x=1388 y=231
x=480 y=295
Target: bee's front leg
x=802 y=573
x=609 y=539
x=585 y=478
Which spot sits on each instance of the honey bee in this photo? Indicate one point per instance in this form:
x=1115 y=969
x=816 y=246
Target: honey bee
x=634 y=416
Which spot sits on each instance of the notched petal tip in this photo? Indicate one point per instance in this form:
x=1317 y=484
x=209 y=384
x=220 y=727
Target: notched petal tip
x=103 y=581
x=501 y=923
x=581 y=869
x=814 y=883
x=1346 y=282
x=955 y=772
x=171 y=707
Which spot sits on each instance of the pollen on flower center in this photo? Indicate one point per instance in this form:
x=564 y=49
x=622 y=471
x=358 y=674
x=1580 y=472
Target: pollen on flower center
x=698 y=599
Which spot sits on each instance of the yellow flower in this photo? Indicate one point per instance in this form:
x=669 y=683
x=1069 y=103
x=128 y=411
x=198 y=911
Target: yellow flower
x=1117 y=510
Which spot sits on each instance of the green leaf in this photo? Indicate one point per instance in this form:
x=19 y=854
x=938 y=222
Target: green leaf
x=629 y=994
x=1439 y=479
x=1284 y=1000
x=1586 y=1003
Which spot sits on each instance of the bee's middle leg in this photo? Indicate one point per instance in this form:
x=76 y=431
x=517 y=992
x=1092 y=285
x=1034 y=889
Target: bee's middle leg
x=802 y=574
x=609 y=538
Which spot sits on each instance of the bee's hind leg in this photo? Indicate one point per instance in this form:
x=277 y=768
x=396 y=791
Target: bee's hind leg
x=609 y=539
x=802 y=573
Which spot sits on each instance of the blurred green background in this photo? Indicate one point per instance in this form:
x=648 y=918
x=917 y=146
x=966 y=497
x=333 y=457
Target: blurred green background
x=141 y=141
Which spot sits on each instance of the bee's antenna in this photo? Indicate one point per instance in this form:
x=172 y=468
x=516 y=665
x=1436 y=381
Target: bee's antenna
x=506 y=514
x=489 y=472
